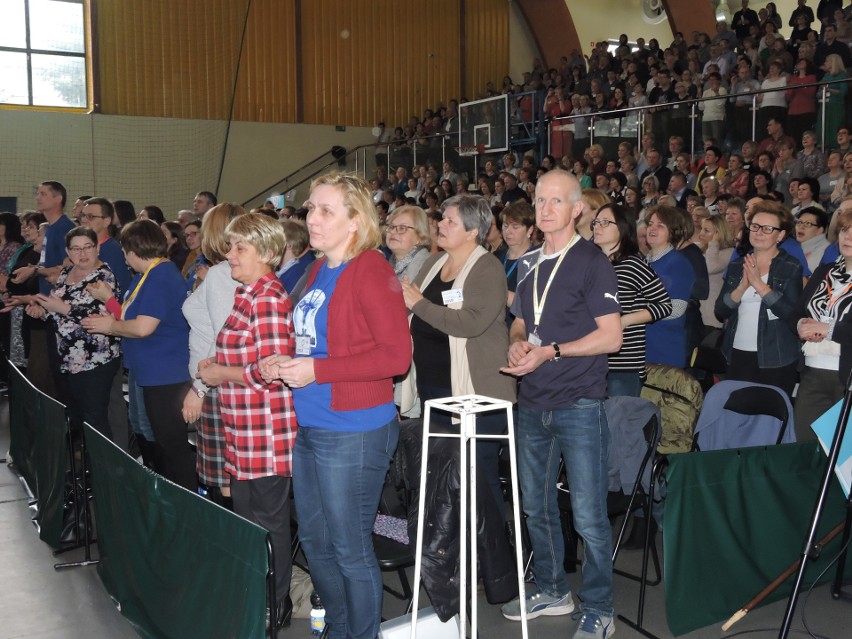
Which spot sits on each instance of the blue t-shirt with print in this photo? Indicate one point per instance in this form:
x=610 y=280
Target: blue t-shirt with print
x=162 y=357
x=313 y=402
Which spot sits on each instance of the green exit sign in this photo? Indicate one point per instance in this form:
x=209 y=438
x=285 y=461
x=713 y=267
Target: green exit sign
x=339 y=128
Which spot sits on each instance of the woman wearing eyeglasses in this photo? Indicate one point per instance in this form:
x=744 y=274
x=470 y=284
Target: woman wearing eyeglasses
x=822 y=320
x=811 y=224
x=757 y=301
x=90 y=362
x=407 y=237
x=641 y=293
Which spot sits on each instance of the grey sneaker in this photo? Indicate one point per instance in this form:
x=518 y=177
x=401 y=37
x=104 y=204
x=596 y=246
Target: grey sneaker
x=595 y=626
x=539 y=604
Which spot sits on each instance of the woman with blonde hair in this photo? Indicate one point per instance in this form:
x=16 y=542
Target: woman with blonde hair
x=717 y=243
x=257 y=416
x=593 y=199
x=352 y=339
x=206 y=310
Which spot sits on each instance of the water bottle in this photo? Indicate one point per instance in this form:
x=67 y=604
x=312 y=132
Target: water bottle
x=317 y=615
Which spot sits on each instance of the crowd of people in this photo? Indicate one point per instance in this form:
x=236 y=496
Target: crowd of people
x=296 y=340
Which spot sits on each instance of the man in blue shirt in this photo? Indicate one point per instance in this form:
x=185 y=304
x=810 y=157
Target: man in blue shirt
x=98 y=214
x=50 y=201
x=559 y=344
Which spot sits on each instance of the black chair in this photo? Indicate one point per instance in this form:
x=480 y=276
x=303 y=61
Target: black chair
x=395 y=556
x=639 y=493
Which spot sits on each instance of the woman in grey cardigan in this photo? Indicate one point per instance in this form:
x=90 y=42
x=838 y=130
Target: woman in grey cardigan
x=206 y=310
x=458 y=328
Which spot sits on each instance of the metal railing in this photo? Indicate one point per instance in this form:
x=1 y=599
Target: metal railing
x=444 y=145
x=640 y=112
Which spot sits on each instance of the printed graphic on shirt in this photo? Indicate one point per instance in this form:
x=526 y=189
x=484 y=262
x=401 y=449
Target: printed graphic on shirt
x=304 y=317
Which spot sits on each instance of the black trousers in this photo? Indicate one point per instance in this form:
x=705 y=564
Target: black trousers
x=744 y=367
x=89 y=397
x=174 y=458
x=266 y=502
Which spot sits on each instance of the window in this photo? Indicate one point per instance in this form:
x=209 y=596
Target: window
x=43 y=53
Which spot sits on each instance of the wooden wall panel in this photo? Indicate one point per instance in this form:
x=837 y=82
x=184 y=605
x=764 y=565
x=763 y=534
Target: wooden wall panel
x=361 y=60
x=370 y=60
x=178 y=59
x=266 y=90
x=486 y=45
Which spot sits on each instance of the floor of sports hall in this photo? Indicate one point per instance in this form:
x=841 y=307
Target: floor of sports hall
x=40 y=602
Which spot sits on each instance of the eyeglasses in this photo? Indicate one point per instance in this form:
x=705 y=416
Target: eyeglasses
x=399 y=228
x=89 y=216
x=806 y=223
x=602 y=223
x=763 y=228
x=77 y=250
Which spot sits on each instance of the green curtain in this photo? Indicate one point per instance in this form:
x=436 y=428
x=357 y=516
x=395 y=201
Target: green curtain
x=39 y=449
x=177 y=565
x=735 y=520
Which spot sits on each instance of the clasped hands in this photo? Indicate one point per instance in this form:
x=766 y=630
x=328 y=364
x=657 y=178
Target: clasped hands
x=812 y=330
x=295 y=372
x=524 y=358
x=751 y=276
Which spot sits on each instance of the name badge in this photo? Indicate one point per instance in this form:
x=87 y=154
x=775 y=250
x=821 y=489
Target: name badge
x=454 y=295
x=534 y=339
x=303 y=344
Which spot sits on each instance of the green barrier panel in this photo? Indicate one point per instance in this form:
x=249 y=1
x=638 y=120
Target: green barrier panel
x=39 y=450
x=177 y=565
x=734 y=521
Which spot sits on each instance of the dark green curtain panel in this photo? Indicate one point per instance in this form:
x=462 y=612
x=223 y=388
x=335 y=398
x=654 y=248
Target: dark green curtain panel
x=39 y=449
x=177 y=565
x=734 y=521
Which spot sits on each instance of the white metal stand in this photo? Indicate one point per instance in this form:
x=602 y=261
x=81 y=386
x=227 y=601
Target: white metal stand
x=466 y=408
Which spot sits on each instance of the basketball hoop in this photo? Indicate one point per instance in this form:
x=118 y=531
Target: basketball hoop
x=477 y=149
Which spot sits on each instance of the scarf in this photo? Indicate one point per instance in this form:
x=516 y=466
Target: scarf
x=400 y=266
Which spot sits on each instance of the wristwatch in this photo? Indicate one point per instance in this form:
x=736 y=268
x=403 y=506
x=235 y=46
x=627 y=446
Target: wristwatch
x=200 y=392
x=557 y=353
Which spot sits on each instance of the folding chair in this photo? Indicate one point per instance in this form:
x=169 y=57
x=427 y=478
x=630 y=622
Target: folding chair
x=738 y=414
x=634 y=425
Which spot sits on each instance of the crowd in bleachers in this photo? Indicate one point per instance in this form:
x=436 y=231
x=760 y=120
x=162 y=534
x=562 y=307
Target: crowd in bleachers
x=741 y=248
x=716 y=190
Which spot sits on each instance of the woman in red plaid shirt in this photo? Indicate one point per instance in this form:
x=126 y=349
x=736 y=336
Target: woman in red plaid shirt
x=260 y=425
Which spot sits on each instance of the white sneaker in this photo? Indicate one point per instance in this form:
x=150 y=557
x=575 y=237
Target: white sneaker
x=539 y=604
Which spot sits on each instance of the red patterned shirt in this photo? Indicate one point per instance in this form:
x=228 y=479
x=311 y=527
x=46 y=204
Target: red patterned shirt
x=260 y=424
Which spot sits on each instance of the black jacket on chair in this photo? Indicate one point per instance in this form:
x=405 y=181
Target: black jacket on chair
x=440 y=569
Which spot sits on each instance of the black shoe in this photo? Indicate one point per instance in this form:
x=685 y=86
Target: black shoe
x=283 y=614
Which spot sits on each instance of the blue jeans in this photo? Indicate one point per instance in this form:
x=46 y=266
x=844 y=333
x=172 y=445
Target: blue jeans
x=337 y=483
x=139 y=421
x=581 y=435
x=619 y=383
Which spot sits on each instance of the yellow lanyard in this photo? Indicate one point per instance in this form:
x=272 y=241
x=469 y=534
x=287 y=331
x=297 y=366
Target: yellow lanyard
x=129 y=299
x=538 y=305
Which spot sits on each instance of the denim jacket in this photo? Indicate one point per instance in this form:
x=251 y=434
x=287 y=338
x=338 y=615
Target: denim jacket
x=777 y=344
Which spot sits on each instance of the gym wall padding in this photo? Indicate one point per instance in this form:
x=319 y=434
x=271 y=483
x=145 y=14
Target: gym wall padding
x=734 y=521
x=39 y=450
x=177 y=565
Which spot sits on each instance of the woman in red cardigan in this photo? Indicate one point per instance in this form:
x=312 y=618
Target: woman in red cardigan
x=352 y=338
